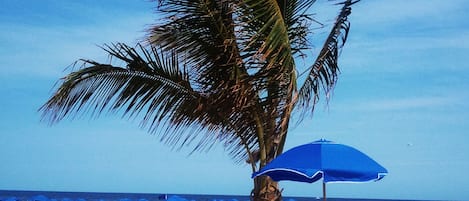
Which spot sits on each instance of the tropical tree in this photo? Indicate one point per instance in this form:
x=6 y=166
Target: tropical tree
x=212 y=71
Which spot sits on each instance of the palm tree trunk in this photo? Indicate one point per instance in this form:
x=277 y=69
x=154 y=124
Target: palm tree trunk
x=265 y=190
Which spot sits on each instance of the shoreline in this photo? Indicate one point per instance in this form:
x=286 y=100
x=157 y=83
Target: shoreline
x=34 y=195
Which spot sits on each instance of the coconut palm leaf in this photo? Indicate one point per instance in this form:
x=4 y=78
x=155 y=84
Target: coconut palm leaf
x=203 y=34
x=152 y=87
x=324 y=71
x=273 y=32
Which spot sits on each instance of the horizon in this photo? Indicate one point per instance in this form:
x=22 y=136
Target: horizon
x=70 y=196
x=401 y=98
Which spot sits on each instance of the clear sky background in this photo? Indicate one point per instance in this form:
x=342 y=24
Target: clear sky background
x=402 y=98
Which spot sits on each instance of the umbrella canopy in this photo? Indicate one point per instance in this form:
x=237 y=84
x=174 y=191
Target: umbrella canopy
x=323 y=159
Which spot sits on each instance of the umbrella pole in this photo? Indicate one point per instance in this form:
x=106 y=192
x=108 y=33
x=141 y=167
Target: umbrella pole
x=324 y=190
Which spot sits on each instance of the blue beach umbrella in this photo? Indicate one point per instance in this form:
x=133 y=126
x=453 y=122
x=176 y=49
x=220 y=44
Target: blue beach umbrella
x=324 y=160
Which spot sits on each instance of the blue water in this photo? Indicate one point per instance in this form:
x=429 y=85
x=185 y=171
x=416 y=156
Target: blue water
x=84 y=196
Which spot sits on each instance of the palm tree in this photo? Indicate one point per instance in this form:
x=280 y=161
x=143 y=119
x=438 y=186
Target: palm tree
x=213 y=71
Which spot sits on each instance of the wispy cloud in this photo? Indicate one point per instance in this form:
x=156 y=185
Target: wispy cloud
x=47 y=50
x=459 y=40
x=403 y=11
x=407 y=36
x=406 y=103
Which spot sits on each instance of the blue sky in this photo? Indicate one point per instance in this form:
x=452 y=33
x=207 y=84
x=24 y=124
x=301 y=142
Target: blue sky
x=402 y=98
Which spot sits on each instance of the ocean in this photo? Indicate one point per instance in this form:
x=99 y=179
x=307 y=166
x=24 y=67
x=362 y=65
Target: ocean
x=87 y=196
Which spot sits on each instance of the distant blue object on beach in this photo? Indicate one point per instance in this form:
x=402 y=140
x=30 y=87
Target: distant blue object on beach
x=40 y=198
x=12 y=199
x=325 y=160
x=176 y=198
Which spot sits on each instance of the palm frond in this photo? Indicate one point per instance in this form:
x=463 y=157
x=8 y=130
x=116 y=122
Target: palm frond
x=203 y=34
x=150 y=86
x=200 y=31
x=324 y=71
x=298 y=22
x=271 y=31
